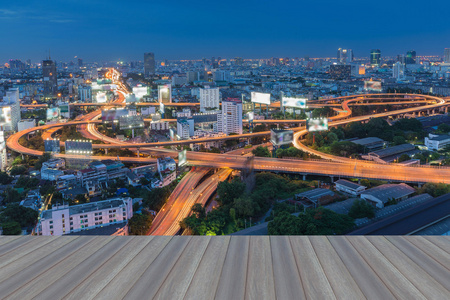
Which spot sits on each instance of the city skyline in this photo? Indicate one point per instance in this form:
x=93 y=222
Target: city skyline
x=177 y=30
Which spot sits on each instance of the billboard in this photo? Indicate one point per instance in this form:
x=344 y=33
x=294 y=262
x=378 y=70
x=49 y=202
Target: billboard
x=5 y=117
x=182 y=158
x=52 y=146
x=113 y=114
x=165 y=93
x=204 y=118
x=294 y=102
x=317 y=124
x=101 y=97
x=52 y=113
x=281 y=137
x=130 y=98
x=251 y=116
x=78 y=147
x=262 y=98
x=373 y=86
x=131 y=122
x=140 y=92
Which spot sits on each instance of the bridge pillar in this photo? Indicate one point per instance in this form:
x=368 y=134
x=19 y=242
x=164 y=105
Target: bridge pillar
x=332 y=179
x=138 y=153
x=419 y=185
x=359 y=180
x=106 y=150
x=304 y=177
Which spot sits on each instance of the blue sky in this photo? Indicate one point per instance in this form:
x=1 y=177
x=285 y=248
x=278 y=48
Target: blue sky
x=192 y=29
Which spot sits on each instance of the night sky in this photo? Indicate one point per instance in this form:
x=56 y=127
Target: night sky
x=193 y=29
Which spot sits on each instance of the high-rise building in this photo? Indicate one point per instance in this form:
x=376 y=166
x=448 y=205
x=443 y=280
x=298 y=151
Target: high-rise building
x=80 y=62
x=84 y=93
x=398 y=71
x=345 y=55
x=230 y=119
x=375 y=57
x=410 y=57
x=149 y=64
x=185 y=128
x=50 y=78
x=340 y=71
x=447 y=55
x=10 y=110
x=209 y=99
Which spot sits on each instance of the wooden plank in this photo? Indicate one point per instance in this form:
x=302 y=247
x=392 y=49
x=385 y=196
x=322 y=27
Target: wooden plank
x=122 y=282
x=16 y=261
x=260 y=282
x=429 y=287
x=177 y=281
x=86 y=267
x=442 y=242
x=7 y=238
x=94 y=283
x=431 y=249
x=233 y=278
x=210 y=266
x=430 y=265
x=315 y=283
x=397 y=283
x=288 y=284
x=341 y=281
x=51 y=275
x=41 y=265
x=368 y=281
x=148 y=283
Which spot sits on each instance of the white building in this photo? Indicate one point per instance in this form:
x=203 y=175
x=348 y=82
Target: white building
x=179 y=80
x=25 y=124
x=398 y=71
x=349 y=187
x=159 y=125
x=51 y=174
x=380 y=195
x=230 y=120
x=437 y=142
x=209 y=99
x=10 y=110
x=167 y=163
x=185 y=127
x=185 y=113
x=84 y=93
x=54 y=163
x=65 y=219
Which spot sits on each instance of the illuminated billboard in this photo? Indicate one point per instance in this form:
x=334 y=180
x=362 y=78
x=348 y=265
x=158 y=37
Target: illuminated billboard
x=113 y=114
x=78 y=147
x=373 y=86
x=131 y=122
x=101 y=97
x=251 y=116
x=317 y=124
x=182 y=158
x=262 y=98
x=294 y=102
x=52 y=113
x=140 y=92
x=165 y=93
x=281 y=137
x=6 y=115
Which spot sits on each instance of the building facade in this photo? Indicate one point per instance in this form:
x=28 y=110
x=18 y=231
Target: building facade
x=230 y=119
x=149 y=64
x=50 y=78
x=209 y=99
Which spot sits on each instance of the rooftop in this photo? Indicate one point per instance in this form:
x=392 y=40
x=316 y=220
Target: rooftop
x=368 y=141
x=349 y=184
x=225 y=267
x=392 y=150
x=315 y=194
x=386 y=192
x=88 y=207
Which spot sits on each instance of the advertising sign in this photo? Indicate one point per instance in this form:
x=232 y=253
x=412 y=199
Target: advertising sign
x=281 y=137
x=182 y=158
x=294 y=102
x=317 y=124
x=373 y=86
x=52 y=113
x=165 y=93
x=262 y=98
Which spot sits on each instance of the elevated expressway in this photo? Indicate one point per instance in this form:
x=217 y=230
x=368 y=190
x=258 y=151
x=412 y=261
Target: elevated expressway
x=338 y=167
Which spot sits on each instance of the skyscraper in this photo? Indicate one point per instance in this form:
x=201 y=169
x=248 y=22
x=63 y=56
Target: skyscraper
x=447 y=55
x=398 y=71
x=209 y=99
x=375 y=57
x=50 y=78
x=345 y=55
x=230 y=119
x=410 y=57
x=149 y=64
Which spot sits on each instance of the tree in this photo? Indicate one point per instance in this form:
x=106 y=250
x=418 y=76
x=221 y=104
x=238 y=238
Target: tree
x=18 y=170
x=228 y=191
x=25 y=216
x=361 y=209
x=443 y=128
x=140 y=224
x=11 y=196
x=331 y=137
x=5 y=178
x=403 y=157
x=435 y=189
x=261 y=151
x=399 y=140
x=11 y=228
x=244 y=206
x=199 y=210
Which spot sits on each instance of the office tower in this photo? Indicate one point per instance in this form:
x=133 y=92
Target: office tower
x=340 y=71
x=447 y=55
x=401 y=59
x=50 y=78
x=84 y=93
x=230 y=119
x=149 y=64
x=375 y=57
x=80 y=62
x=410 y=57
x=398 y=71
x=185 y=128
x=10 y=110
x=345 y=55
x=192 y=76
x=209 y=99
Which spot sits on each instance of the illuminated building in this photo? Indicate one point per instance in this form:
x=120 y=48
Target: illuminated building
x=50 y=78
x=398 y=71
x=345 y=55
x=149 y=64
x=340 y=71
x=410 y=57
x=84 y=93
x=10 y=110
x=375 y=57
x=209 y=99
x=230 y=120
x=185 y=128
x=447 y=55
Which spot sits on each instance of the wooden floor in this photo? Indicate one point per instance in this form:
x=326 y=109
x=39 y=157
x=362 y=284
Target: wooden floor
x=237 y=267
